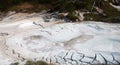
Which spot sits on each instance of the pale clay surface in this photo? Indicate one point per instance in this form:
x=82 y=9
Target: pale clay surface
x=27 y=36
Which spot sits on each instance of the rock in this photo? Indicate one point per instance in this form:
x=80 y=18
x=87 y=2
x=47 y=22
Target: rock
x=11 y=13
x=46 y=20
x=115 y=2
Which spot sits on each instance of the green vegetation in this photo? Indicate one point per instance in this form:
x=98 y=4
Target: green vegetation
x=16 y=63
x=72 y=16
x=33 y=63
x=109 y=14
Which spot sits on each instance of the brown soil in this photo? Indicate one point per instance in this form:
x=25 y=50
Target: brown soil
x=29 y=7
x=25 y=6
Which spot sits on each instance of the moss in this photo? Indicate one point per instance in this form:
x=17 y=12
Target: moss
x=29 y=63
x=40 y=63
x=113 y=19
x=72 y=16
x=95 y=17
x=14 y=63
x=112 y=14
x=36 y=63
x=109 y=10
x=88 y=5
